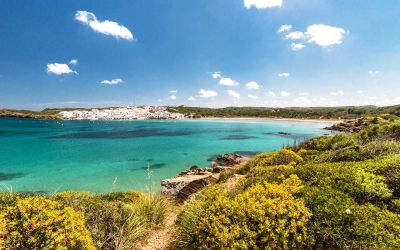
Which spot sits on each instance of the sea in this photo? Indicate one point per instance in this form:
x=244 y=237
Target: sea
x=46 y=156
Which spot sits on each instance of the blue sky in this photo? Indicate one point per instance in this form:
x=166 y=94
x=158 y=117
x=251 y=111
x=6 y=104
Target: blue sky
x=209 y=53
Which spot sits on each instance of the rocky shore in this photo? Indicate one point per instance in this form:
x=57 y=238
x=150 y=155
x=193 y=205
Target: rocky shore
x=349 y=126
x=190 y=181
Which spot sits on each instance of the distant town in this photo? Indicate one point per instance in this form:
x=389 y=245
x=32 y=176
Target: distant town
x=122 y=113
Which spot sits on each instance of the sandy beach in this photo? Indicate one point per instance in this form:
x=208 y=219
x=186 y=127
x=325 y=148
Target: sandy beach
x=273 y=119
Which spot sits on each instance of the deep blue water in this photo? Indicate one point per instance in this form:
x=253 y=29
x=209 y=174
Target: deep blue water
x=102 y=156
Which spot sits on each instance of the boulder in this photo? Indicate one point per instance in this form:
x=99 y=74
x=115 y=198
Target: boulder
x=350 y=126
x=232 y=159
x=180 y=188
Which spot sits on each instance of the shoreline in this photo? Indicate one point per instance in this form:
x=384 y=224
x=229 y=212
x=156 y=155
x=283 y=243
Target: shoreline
x=271 y=119
x=189 y=119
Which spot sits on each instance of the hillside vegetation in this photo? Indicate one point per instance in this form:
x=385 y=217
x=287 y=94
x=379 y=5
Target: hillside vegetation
x=330 y=192
x=349 y=112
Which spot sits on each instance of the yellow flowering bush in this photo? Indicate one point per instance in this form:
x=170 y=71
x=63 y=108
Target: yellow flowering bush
x=40 y=223
x=264 y=216
x=281 y=157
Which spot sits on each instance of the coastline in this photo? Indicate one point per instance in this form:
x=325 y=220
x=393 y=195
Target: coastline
x=272 y=119
x=50 y=117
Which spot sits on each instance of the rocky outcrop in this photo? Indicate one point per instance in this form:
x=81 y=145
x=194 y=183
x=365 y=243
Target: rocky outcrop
x=350 y=126
x=190 y=181
x=232 y=159
x=180 y=188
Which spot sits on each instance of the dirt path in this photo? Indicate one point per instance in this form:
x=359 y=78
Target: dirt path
x=159 y=240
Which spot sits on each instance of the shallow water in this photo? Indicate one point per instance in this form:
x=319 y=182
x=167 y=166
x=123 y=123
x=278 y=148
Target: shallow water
x=102 y=156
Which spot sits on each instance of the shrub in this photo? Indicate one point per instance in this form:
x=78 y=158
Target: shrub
x=263 y=217
x=351 y=153
x=282 y=157
x=225 y=175
x=379 y=148
x=338 y=222
x=320 y=143
x=118 y=220
x=104 y=219
x=371 y=186
x=194 y=167
x=259 y=175
x=153 y=207
x=302 y=152
x=39 y=223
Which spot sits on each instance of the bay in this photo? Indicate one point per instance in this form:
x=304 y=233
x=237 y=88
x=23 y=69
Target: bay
x=44 y=156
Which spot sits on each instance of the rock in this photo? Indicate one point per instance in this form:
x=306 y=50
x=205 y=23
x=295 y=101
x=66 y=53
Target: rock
x=180 y=188
x=217 y=169
x=232 y=159
x=350 y=126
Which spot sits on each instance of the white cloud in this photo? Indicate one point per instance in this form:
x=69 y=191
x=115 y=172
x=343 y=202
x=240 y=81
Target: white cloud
x=297 y=46
x=284 y=74
x=373 y=72
x=173 y=91
x=234 y=94
x=191 y=98
x=302 y=100
x=216 y=75
x=340 y=92
x=73 y=61
x=207 y=93
x=59 y=68
x=115 y=81
x=303 y=93
x=324 y=35
x=252 y=85
x=159 y=100
x=261 y=4
x=373 y=97
x=105 y=27
x=270 y=93
x=317 y=99
x=296 y=35
x=252 y=96
x=284 y=93
x=228 y=82
x=360 y=91
x=172 y=97
x=284 y=28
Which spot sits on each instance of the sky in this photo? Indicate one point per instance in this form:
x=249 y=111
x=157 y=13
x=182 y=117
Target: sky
x=208 y=53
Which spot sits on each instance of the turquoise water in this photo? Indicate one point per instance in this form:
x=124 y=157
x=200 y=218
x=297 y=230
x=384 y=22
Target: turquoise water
x=101 y=156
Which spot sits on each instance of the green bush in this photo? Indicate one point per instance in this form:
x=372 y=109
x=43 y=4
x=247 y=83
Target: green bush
x=117 y=220
x=339 y=223
x=225 y=175
x=194 y=167
x=262 y=217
